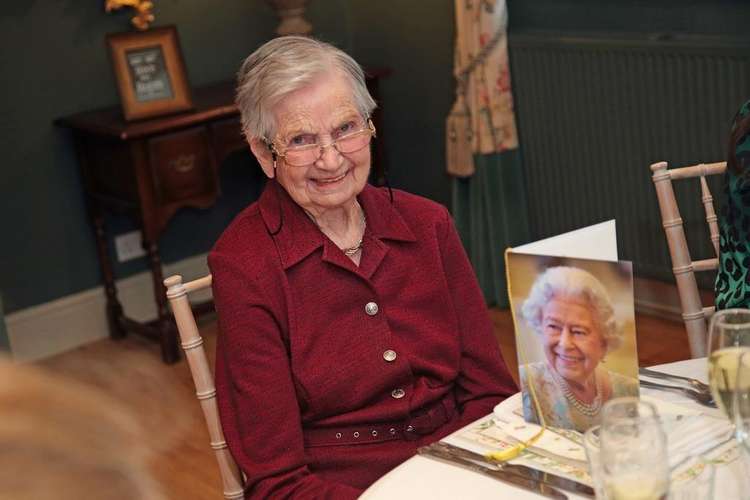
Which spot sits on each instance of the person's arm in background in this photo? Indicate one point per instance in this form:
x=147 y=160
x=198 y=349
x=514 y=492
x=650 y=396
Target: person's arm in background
x=484 y=379
x=256 y=394
x=731 y=287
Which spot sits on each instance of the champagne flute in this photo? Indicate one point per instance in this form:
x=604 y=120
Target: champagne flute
x=741 y=404
x=633 y=451
x=728 y=341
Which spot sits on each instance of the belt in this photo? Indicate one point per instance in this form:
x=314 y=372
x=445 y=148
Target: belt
x=420 y=423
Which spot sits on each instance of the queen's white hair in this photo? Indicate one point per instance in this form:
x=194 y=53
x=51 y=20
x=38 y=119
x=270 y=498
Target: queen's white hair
x=572 y=281
x=284 y=65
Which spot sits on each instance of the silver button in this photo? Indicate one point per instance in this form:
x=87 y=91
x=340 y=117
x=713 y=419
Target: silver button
x=410 y=428
x=356 y=434
x=371 y=308
x=389 y=355
x=398 y=393
x=374 y=433
x=392 y=431
x=338 y=435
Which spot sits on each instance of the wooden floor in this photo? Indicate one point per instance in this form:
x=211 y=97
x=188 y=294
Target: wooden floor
x=163 y=396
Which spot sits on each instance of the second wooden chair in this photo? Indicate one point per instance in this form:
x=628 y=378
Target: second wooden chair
x=694 y=314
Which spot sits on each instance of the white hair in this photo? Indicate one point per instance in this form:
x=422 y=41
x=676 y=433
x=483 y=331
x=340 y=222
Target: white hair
x=284 y=65
x=564 y=280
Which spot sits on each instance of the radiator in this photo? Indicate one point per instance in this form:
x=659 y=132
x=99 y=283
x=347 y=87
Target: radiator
x=593 y=113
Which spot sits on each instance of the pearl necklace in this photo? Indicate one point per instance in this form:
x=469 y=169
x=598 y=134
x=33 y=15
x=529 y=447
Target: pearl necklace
x=587 y=409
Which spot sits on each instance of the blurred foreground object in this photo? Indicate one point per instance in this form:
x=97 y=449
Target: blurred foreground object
x=64 y=440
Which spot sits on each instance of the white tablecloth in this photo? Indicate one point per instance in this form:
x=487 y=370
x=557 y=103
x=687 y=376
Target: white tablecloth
x=425 y=478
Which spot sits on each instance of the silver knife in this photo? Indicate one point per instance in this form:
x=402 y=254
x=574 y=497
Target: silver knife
x=506 y=477
x=519 y=470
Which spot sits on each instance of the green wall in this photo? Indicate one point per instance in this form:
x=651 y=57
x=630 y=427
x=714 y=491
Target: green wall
x=54 y=63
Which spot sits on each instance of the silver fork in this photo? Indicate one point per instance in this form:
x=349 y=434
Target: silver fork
x=703 y=398
x=696 y=384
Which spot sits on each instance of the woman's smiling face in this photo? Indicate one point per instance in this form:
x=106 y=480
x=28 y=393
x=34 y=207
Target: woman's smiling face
x=320 y=110
x=573 y=342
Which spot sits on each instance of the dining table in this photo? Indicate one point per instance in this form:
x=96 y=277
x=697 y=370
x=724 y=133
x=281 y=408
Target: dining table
x=423 y=477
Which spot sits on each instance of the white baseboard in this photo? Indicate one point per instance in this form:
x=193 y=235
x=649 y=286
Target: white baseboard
x=66 y=323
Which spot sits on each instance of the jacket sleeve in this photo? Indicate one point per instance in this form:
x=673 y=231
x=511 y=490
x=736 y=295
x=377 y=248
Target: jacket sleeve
x=483 y=379
x=257 y=401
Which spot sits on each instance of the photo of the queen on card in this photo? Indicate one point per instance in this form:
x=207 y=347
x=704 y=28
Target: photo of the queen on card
x=575 y=337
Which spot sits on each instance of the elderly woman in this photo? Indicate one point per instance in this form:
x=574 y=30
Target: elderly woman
x=571 y=312
x=352 y=328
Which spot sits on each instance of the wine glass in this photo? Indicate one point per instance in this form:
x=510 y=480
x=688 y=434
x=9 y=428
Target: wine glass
x=592 y=446
x=728 y=341
x=741 y=404
x=633 y=451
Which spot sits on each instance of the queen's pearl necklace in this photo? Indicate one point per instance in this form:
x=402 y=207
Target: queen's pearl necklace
x=587 y=409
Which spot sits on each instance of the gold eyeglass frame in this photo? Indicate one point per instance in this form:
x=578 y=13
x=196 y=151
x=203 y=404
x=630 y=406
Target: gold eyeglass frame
x=278 y=154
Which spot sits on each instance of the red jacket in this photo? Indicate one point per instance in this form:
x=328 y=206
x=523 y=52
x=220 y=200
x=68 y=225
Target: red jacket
x=328 y=374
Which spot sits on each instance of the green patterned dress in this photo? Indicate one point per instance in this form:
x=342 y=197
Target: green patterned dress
x=733 y=278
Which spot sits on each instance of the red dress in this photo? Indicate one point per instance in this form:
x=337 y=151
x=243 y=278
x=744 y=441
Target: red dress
x=328 y=375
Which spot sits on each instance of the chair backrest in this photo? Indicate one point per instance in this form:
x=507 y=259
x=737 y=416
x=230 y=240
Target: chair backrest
x=192 y=344
x=683 y=266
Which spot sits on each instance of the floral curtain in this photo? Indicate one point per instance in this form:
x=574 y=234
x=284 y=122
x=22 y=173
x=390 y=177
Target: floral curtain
x=489 y=202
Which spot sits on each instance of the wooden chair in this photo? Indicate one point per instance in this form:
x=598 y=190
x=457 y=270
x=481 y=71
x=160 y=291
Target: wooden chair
x=192 y=344
x=693 y=313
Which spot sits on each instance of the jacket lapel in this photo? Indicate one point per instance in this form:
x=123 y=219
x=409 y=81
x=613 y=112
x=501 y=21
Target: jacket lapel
x=384 y=224
x=295 y=234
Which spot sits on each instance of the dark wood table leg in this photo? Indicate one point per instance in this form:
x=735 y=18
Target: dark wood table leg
x=115 y=314
x=114 y=308
x=166 y=328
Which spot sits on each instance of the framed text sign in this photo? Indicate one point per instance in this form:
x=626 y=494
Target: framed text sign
x=150 y=72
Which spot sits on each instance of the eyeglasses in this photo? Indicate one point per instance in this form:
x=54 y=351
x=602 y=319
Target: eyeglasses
x=346 y=142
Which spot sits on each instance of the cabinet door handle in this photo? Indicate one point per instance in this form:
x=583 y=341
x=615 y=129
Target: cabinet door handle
x=183 y=163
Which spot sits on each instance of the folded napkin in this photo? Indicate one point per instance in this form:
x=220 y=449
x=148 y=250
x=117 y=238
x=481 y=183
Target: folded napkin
x=696 y=435
x=690 y=432
x=668 y=411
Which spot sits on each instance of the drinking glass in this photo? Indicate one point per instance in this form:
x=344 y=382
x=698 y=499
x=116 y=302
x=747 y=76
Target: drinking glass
x=592 y=445
x=728 y=341
x=633 y=451
x=741 y=404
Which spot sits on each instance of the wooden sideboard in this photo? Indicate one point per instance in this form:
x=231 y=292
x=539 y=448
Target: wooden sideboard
x=150 y=169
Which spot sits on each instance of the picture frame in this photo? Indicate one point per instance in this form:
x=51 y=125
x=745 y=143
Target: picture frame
x=149 y=72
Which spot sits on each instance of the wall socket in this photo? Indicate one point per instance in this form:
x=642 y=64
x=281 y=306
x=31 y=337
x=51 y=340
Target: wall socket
x=129 y=246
